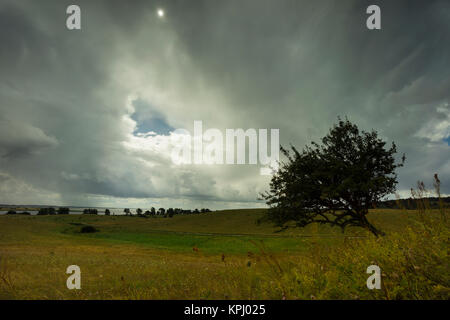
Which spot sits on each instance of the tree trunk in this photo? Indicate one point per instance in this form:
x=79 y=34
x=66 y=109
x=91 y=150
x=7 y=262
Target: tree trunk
x=371 y=227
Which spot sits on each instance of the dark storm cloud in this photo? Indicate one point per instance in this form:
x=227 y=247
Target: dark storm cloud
x=51 y=83
x=307 y=63
x=73 y=103
x=21 y=140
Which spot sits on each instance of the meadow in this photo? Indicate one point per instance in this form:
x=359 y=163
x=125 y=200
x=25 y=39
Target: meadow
x=223 y=255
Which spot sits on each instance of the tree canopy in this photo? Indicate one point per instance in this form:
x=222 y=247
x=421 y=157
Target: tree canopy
x=333 y=183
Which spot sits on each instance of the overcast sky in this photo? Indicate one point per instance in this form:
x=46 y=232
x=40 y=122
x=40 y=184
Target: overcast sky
x=76 y=106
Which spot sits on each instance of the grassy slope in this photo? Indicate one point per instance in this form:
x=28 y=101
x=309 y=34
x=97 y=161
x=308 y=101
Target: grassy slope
x=135 y=257
x=227 y=231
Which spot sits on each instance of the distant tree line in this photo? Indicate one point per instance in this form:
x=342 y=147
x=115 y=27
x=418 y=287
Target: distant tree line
x=53 y=211
x=413 y=204
x=162 y=212
x=15 y=212
x=90 y=211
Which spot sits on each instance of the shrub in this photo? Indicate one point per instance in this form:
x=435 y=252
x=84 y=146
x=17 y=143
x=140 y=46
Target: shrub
x=11 y=212
x=88 y=229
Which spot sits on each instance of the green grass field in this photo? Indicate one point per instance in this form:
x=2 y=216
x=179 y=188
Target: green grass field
x=154 y=258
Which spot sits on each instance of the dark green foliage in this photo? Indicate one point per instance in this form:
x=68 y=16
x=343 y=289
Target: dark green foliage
x=334 y=183
x=11 y=212
x=107 y=212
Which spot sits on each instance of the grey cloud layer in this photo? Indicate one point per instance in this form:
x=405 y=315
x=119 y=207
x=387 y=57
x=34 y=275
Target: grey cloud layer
x=66 y=117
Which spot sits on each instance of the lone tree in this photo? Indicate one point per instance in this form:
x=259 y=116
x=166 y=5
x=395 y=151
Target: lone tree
x=334 y=183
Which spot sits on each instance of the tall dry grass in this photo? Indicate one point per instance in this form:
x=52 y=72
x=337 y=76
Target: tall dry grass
x=414 y=262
